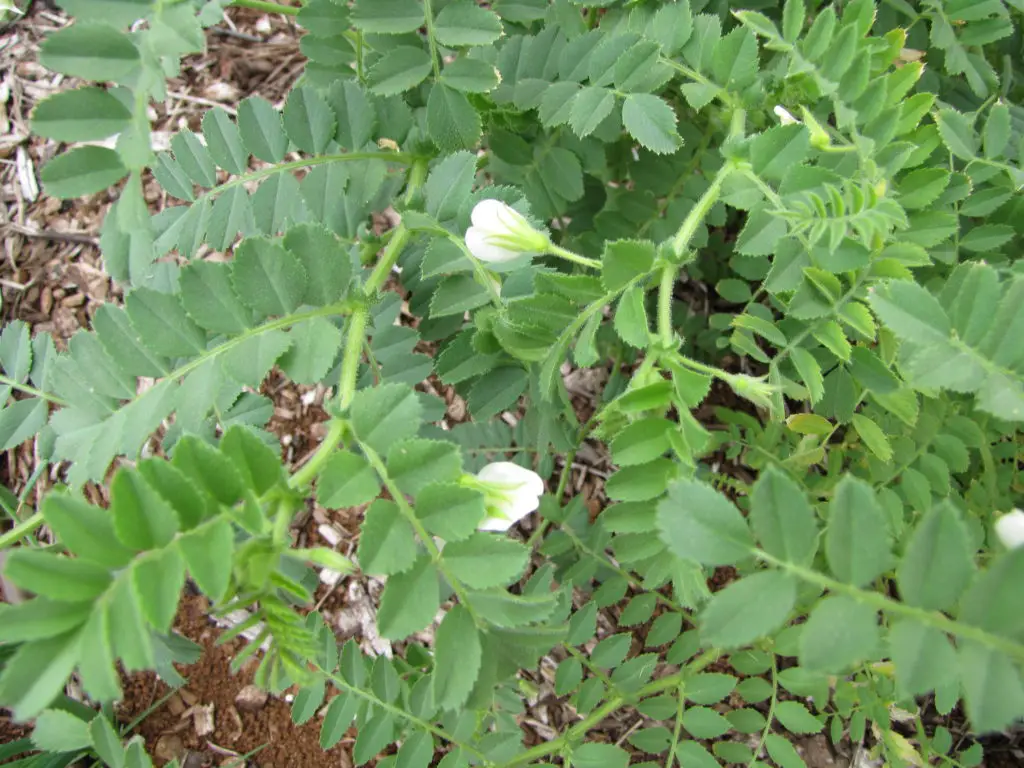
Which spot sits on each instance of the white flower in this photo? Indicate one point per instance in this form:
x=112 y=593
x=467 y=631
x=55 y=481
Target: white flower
x=500 y=233
x=785 y=117
x=511 y=493
x=1010 y=529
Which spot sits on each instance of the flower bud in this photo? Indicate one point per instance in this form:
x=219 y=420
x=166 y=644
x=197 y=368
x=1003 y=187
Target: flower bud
x=1010 y=529
x=510 y=492
x=784 y=115
x=756 y=390
x=500 y=233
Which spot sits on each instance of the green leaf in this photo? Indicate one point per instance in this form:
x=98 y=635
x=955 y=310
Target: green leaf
x=761 y=233
x=465 y=23
x=782 y=518
x=85 y=530
x=208 y=552
x=142 y=519
x=414 y=464
x=795 y=718
x=994 y=601
x=59 y=731
x=709 y=687
x=326 y=262
x=748 y=609
x=356 y=115
x=873 y=436
x=705 y=723
x=449 y=186
x=495 y=391
x=911 y=312
x=997 y=130
x=595 y=755
x=259 y=125
x=410 y=601
x=384 y=415
x=307 y=701
x=309 y=120
x=36 y=674
x=471 y=75
x=403 y=68
x=157 y=579
x=642 y=481
x=39 y=619
x=387 y=16
x=48 y=574
x=339 y=716
x=937 y=564
x=21 y=420
x=347 y=480
x=671 y=26
x=268 y=278
x=504 y=609
x=315 y=345
x=651 y=122
x=209 y=298
x=84 y=114
x=992 y=685
x=224 y=141
x=485 y=560
x=839 y=634
x=589 y=109
x=82 y=171
x=457 y=659
x=456 y=295
x=249 y=361
x=90 y=52
x=106 y=741
x=779 y=149
x=452 y=122
x=625 y=260
x=957 y=134
x=698 y=523
x=923 y=657
x=630 y=320
x=450 y=511
x=641 y=441
x=783 y=752
x=856 y=539
x=386 y=543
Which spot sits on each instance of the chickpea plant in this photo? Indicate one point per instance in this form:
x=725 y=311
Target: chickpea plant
x=787 y=231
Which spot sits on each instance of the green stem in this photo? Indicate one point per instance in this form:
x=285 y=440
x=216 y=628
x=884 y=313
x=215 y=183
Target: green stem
x=424 y=535
x=267 y=7
x=7 y=381
x=680 y=708
x=382 y=270
x=771 y=712
x=400 y=713
x=431 y=40
x=568 y=255
x=21 y=530
x=578 y=731
x=668 y=282
x=478 y=269
x=303 y=476
x=699 y=212
x=351 y=357
x=401 y=158
x=880 y=602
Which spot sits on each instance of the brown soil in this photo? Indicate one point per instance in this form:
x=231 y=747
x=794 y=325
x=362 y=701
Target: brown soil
x=170 y=730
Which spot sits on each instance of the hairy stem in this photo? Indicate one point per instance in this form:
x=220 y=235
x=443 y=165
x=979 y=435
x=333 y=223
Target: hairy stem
x=382 y=270
x=428 y=12
x=668 y=282
x=699 y=212
x=578 y=731
x=351 y=357
x=9 y=382
x=267 y=7
x=305 y=474
x=568 y=255
x=21 y=530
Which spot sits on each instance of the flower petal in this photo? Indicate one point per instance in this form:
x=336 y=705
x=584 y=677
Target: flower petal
x=487 y=215
x=1010 y=529
x=481 y=248
x=508 y=473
